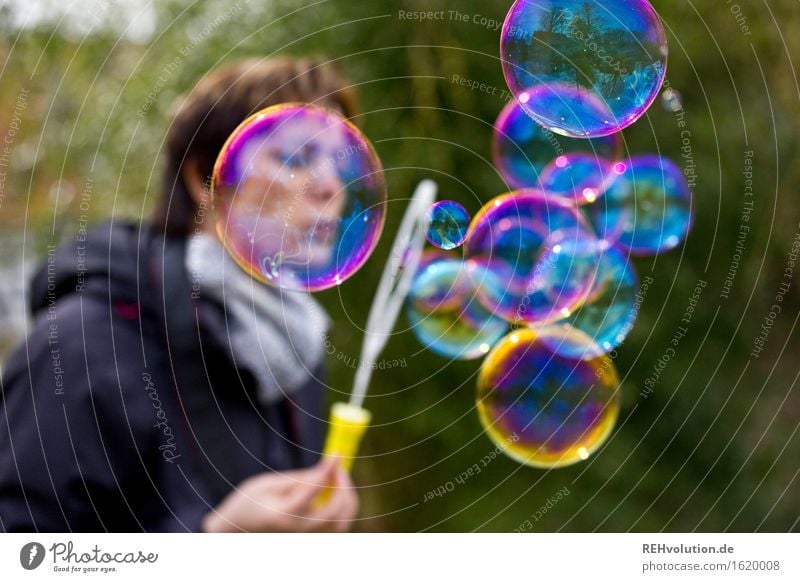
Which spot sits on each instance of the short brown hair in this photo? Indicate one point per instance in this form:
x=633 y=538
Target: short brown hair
x=219 y=103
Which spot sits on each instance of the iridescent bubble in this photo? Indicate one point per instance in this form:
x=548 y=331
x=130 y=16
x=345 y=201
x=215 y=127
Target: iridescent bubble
x=433 y=255
x=449 y=222
x=522 y=148
x=580 y=178
x=584 y=68
x=647 y=209
x=299 y=197
x=445 y=313
x=519 y=252
x=541 y=408
x=607 y=315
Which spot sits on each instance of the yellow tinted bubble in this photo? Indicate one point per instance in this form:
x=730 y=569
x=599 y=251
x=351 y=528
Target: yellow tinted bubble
x=541 y=408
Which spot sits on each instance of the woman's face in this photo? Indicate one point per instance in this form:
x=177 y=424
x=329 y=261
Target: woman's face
x=290 y=198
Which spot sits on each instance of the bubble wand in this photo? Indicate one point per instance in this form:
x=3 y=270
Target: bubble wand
x=349 y=421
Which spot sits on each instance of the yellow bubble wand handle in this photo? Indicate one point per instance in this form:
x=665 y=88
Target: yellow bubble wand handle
x=348 y=423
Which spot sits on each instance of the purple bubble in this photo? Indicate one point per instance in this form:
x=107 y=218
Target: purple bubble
x=580 y=178
x=299 y=196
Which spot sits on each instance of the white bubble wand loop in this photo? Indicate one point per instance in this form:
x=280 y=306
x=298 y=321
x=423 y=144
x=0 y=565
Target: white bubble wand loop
x=395 y=284
x=349 y=421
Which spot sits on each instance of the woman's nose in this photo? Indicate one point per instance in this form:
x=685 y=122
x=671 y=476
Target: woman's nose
x=327 y=189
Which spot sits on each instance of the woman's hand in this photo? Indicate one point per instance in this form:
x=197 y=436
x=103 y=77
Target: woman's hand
x=285 y=502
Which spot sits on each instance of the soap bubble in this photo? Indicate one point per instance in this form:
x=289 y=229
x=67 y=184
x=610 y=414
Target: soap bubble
x=607 y=315
x=433 y=255
x=584 y=68
x=445 y=313
x=449 y=222
x=541 y=408
x=299 y=197
x=522 y=148
x=520 y=250
x=647 y=209
x=580 y=178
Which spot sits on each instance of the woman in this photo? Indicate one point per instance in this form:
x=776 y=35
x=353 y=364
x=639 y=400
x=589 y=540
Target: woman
x=138 y=402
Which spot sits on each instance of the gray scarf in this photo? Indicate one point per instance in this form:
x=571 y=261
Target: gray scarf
x=276 y=335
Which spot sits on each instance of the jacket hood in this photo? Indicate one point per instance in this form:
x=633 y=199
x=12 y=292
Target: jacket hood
x=105 y=256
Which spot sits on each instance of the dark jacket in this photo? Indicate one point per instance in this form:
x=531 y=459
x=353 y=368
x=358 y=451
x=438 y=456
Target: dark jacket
x=123 y=409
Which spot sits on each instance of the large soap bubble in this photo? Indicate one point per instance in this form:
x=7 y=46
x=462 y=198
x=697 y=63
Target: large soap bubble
x=541 y=408
x=584 y=68
x=445 y=314
x=521 y=148
x=521 y=250
x=647 y=209
x=299 y=196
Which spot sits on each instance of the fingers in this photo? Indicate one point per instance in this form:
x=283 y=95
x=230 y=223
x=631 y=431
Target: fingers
x=308 y=483
x=286 y=502
x=349 y=508
x=338 y=513
x=265 y=483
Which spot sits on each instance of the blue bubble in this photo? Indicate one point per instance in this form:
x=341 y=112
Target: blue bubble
x=609 y=311
x=647 y=209
x=445 y=314
x=584 y=69
x=521 y=148
x=449 y=223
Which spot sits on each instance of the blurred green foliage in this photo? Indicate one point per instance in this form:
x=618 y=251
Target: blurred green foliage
x=714 y=447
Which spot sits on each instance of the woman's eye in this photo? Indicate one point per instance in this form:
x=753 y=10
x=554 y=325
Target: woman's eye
x=302 y=157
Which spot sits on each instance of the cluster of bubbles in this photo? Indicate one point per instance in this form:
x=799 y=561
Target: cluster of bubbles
x=299 y=197
x=551 y=259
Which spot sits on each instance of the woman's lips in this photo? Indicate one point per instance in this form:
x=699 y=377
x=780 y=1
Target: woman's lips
x=322 y=231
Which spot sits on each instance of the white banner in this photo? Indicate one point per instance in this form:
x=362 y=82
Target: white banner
x=401 y=557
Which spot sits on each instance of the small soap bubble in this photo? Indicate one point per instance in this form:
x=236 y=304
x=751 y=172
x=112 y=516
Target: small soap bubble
x=672 y=100
x=449 y=222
